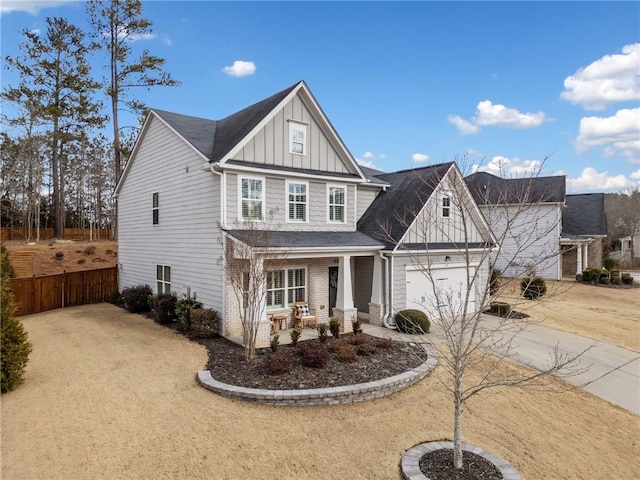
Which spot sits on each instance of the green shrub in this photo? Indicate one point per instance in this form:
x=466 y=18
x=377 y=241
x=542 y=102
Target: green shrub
x=164 y=306
x=605 y=280
x=14 y=341
x=593 y=275
x=275 y=343
x=184 y=306
x=204 y=322
x=366 y=349
x=411 y=321
x=6 y=269
x=345 y=352
x=313 y=354
x=533 y=288
x=616 y=280
x=116 y=298
x=627 y=279
x=280 y=362
x=356 y=325
x=295 y=335
x=323 y=334
x=609 y=263
x=502 y=309
x=494 y=281
x=136 y=298
x=334 y=327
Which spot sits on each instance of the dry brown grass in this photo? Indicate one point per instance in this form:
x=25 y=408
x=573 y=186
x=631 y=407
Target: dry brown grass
x=112 y=395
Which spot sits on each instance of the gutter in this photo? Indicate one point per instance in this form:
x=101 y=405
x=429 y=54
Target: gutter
x=387 y=319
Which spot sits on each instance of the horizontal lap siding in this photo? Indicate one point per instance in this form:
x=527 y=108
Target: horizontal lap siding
x=187 y=237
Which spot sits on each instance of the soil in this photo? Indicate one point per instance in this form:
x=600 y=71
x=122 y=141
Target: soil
x=438 y=465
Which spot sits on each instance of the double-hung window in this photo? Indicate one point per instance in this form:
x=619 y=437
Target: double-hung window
x=337 y=203
x=297 y=138
x=155 y=208
x=163 y=278
x=446 y=207
x=286 y=286
x=251 y=198
x=297 y=202
x=275 y=289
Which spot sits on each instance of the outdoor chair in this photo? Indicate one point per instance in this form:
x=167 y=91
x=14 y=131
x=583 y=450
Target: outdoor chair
x=302 y=314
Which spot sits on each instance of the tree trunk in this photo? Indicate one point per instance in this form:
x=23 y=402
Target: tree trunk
x=457 y=426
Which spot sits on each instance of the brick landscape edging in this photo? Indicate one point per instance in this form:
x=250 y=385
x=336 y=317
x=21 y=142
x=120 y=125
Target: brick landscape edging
x=410 y=465
x=359 y=392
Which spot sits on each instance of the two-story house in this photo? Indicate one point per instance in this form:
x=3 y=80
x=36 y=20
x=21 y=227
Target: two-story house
x=350 y=241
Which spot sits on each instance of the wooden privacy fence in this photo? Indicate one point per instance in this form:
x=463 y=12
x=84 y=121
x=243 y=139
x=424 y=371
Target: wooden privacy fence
x=77 y=234
x=39 y=294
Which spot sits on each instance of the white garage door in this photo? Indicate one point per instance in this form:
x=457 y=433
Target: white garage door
x=451 y=288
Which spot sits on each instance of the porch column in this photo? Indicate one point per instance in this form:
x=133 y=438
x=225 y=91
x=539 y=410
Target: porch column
x=585 y=255
x=375 y=306
x=257 y=284
x=579 y=262
x=344 y=308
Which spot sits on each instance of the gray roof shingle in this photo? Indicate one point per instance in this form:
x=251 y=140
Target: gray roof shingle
x=289 y=239
x=488 y=189
x=584 y=215
x=394 y=209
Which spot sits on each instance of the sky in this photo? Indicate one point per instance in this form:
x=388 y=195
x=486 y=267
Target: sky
x=506 y=87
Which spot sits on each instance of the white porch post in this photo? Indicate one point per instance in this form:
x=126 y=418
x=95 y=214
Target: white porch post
x=344 y=308
x=375 y=306
x=579 y=261
x=585 y=255
x=257 y=284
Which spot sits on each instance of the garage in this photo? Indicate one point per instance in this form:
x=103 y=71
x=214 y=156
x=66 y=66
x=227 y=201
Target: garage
x=450 y=287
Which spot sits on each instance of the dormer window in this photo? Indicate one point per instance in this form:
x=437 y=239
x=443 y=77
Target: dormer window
x=297 y=138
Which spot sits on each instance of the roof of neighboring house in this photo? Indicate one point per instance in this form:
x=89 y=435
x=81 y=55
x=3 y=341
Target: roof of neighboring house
x=292 y=239
x=373 y=175
x=394 y=209
x=215 y=138
x=488 y=189
x=584 y=215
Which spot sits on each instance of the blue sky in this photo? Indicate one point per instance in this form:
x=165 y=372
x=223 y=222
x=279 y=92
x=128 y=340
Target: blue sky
x=407 y=84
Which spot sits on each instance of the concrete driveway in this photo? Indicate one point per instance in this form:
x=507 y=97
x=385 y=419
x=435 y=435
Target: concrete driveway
x=613 y=373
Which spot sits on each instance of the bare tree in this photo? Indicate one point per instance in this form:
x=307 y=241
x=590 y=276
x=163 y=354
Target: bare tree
x=476 y=346
x=623 y=216
x=252 y=263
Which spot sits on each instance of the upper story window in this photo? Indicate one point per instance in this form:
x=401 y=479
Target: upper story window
x=446 y=207
x=297 y=138
x=163 y=278
x=297 y=202
x=251 y=198
x=337 y=203
x=155 y=209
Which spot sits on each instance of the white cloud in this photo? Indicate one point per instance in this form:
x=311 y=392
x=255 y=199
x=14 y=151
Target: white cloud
x=590 y=180
x=464 y=127
x=166 y=39
x=368 y=159
x=368 y=155
x=619 y=134
x=509 y=167
x=240 y=68
x=30 y=6
x=488 y=114
x=611 y=79
x=420 y=157
x=367 y=163
x=635 y=175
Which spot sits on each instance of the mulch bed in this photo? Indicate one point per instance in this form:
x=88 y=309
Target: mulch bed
x=438 y=465
x=227 y=364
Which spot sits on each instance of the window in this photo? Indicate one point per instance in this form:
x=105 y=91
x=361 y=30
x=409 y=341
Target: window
x=251 y=198
x=155 y=210
x=337 y=204
x=446 y=207
x=297 y=138
x=163 y=278
x=297 y=202
x=284 y=287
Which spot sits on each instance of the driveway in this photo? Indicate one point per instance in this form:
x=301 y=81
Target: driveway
x=613 y=373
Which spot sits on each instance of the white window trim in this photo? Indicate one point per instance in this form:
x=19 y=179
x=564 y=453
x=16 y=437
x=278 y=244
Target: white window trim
x=164 y=282
x=286 y=201
x=442 y=206
x=286 y=287
x=344 y=215
x=263 y=199
x=155 y=209
x=301 y=127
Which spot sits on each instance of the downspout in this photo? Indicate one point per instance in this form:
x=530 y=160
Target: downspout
x=387 y=319
x=217 y=170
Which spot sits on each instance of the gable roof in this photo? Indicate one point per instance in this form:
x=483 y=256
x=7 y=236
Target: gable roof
x=488 y=189
x=584 y=215
x=215 y=138
x=408 y=192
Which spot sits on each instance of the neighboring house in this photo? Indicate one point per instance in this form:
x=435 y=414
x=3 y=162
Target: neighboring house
x=525 y=215
x=584 y=230
x=193 y=187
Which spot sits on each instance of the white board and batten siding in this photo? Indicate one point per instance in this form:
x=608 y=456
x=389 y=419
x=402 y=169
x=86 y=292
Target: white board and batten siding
x=187 y=237
x=533 y=240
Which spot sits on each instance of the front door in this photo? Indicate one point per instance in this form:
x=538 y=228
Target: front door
x=333 y=288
